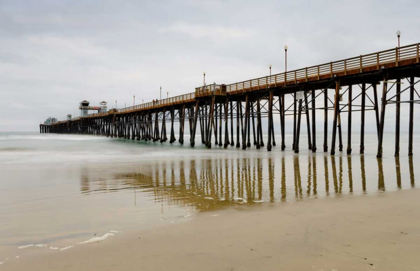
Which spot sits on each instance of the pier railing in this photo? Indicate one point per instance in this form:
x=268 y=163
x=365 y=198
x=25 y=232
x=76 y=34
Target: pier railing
x=160 y=103
x=359 y=64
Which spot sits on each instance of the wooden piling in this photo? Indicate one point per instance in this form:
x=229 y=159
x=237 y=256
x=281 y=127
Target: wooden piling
x=411 y=118
x=232 y=141
x=237 y=123
x=248 y=124
x=211 y=122
x=313 y=121
x=362 y=121
x=340 y=134
x=270 y=117
x=282 y=122
x=192 y=139
x=258 y=146
x=226 y=123
x=308 y=123
x=294 y=119
x=336 y=111
x=244 y=132
x=382 y=119
x=349 y=105
x=296 y=149
x=220 y=125
x=172 y=139
x=216 y=142
x=253 y=123
x=326 y=120
x=397 y=117
x=376 y=106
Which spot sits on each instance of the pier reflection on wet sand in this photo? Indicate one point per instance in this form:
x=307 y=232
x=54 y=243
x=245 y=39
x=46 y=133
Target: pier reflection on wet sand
x=211 y=184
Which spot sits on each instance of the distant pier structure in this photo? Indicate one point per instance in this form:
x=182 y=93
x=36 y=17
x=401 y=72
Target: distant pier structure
x=233 y=113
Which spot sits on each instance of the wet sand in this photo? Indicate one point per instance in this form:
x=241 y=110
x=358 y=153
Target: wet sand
x=378 y=232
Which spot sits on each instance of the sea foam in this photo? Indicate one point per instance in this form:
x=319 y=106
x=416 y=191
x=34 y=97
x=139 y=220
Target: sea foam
x=97 y=239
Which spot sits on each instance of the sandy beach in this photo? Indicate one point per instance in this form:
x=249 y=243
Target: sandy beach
x=378 y=232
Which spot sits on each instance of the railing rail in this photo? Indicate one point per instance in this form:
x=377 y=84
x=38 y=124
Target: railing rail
x=395 y=55
x=160 y=103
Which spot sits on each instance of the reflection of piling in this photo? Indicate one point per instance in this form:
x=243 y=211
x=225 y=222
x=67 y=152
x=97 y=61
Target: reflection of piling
x=314 y=173
x=283 y=180
x=327 y=181
x=362 y=169
x=350 y=172
x=298 y=180
x=398 y=171
x=309 y=187
x=271 y=179
x=340 y=159
x=334 y=173
x=411 y=169
x=381 y=181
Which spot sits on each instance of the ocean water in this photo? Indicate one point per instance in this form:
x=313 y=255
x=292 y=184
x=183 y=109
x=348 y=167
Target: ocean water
x=61 y=191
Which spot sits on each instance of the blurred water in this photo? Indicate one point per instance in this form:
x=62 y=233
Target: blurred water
x=64 y=189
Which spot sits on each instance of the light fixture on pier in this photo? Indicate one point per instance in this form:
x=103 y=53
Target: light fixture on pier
x=398 y=35
x=204 y=80
x=160 y=93
x=285 y=59
x=269 y=66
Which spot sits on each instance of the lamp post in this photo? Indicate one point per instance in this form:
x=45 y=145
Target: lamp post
x=285 y=53
x=134 y=100
x=204 y=79
x=160 y=93
x=269 y=66
x=116 y=104
x=398 y=35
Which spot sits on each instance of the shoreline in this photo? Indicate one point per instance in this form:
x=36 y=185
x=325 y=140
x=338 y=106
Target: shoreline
x=344 y=233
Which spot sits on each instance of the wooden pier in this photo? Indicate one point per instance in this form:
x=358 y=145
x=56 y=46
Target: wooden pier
x=230 y=112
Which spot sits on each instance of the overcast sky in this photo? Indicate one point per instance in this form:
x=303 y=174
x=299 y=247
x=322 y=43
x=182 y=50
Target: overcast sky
x=55 y=53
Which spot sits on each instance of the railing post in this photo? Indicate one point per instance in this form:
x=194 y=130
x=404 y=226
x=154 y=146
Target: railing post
x=306 y=74
x=377 y=61
x=285 y=78
x=396 y=56
x=275 y=76
x=318 y=72
x=418 y=52
x=331 y=70
x=361 y=64
x=345 y=67
x=295 y=77
x=250 y=84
